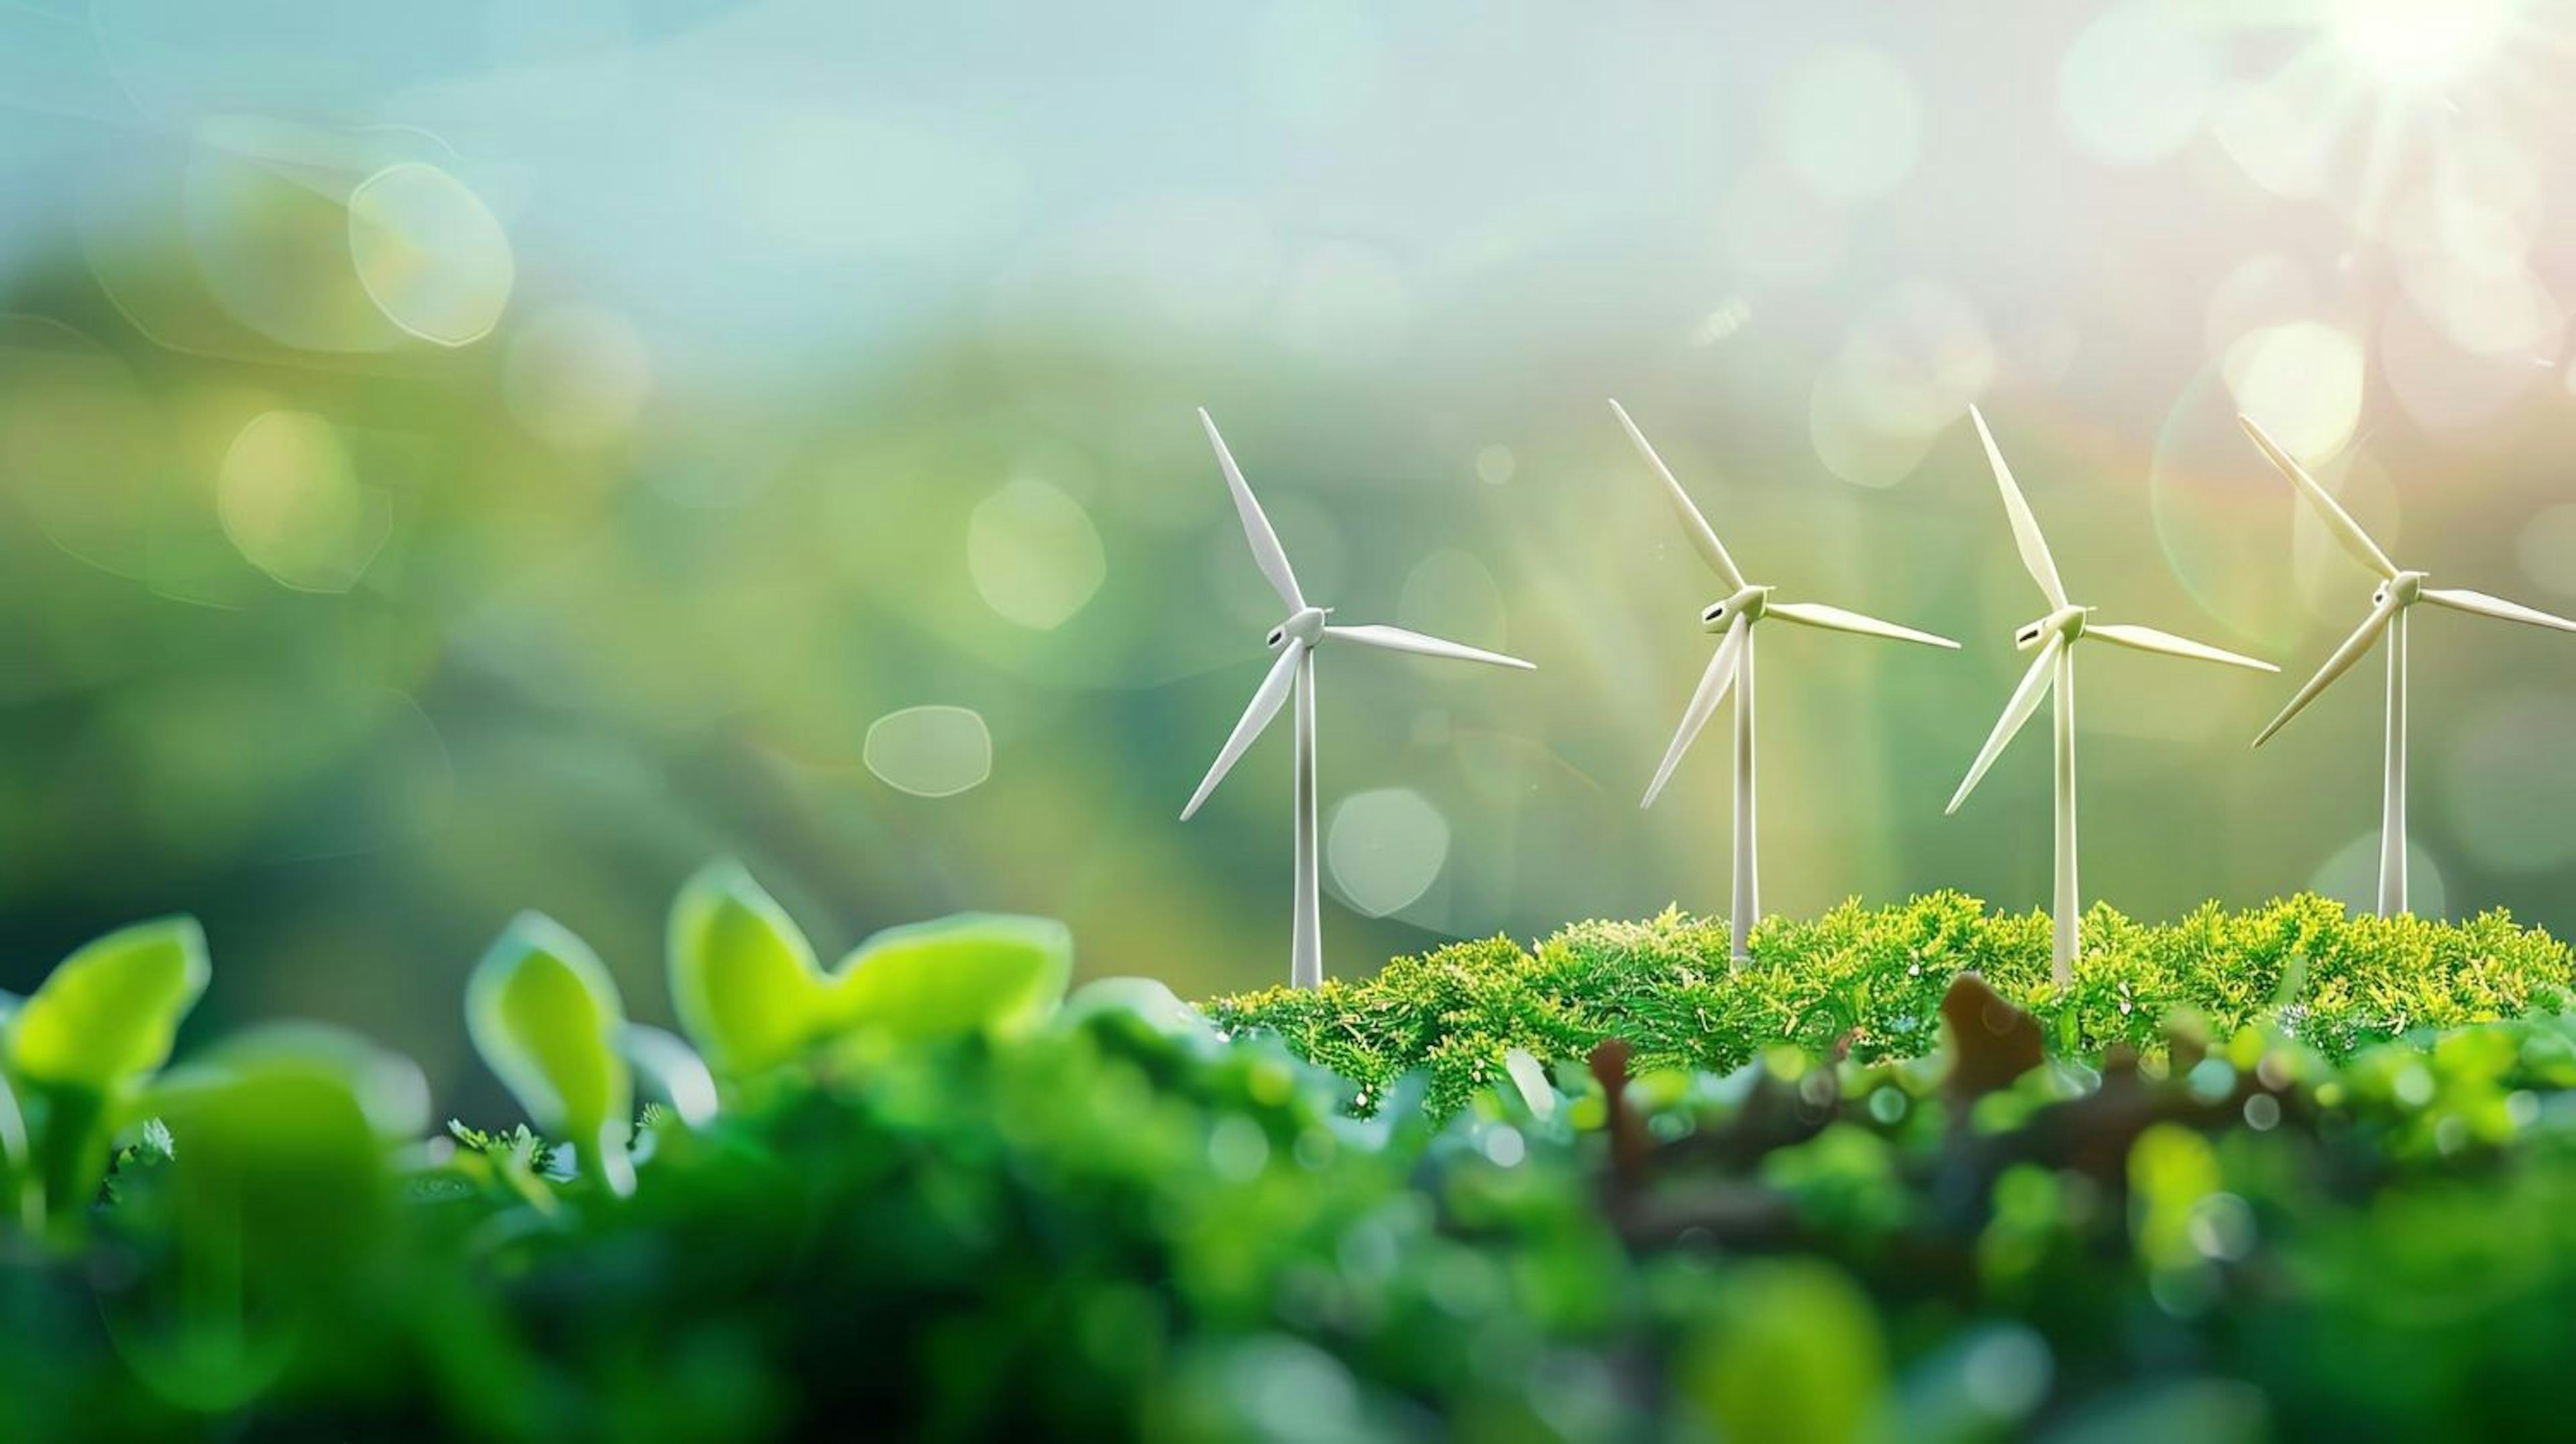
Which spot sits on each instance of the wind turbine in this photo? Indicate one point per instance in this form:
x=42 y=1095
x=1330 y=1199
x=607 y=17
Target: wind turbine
x=2399 y=590
x=2056 y=636
x=1295 y=640
x=1734 y=617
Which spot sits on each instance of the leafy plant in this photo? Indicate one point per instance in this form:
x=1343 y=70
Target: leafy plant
x=750 y=994
x=78 y=1047
x=546 y=1017
x=1033 y=1215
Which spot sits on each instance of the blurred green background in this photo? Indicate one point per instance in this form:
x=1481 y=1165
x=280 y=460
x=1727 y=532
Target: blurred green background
x=497 y=455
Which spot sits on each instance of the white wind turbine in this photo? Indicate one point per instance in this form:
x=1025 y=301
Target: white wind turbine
x=2399 y=590
x=2056 y=636
x=1295 y=641
x=1735 y=616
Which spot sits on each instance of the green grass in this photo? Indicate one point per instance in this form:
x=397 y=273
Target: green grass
x=2335 y=981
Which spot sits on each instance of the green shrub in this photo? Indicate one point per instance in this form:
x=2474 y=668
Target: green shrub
x=1875 y=976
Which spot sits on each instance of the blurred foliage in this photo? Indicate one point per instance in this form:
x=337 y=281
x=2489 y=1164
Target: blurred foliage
x=1097 y=1216
x=1871 y=980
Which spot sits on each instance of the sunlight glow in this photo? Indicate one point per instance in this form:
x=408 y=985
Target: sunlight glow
x=2422 y=42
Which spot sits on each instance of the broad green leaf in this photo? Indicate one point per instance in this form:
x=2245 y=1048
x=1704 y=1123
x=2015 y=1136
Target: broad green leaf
x=956 y=975
x=280 y=1158
x=545 y=1016
x=1151 y=1002
x=743 y=979
x=388 y=1086
x=107 y=1013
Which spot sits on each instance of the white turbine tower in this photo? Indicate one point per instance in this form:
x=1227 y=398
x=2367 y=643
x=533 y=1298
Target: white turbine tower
x=1735 y=617
x=1295 y=640
x=2056 y=636
x=2399 y=590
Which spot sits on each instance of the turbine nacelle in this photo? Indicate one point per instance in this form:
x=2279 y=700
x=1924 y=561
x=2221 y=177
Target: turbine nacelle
x=2067 y=622
x=1306 y=624
x=2401 y=590
x=1748 y=602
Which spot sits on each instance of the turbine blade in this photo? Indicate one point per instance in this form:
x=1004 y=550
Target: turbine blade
x=1266 y=702
x=1702 y=538
x=2336 y=665
x=1397 y=639
x=2487 y=606
x=1835 y=619
x=1256 y=527
x=1712 y=690
x=2337 y=520
x=2034 y=688
x=2033 y=546
x=2148 y=639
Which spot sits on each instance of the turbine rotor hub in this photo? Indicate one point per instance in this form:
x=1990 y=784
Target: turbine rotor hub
x=1750 y=603
x=2065 y=621
x=1306 y=625
x=2405 y=588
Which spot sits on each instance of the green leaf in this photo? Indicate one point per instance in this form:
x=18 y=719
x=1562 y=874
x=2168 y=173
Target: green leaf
x=963 y=974
x=107 y=1013
x=545 y=1016
x=744 y=981
x=273 y=1179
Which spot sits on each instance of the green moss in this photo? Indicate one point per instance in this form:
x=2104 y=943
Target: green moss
x=1876 y=975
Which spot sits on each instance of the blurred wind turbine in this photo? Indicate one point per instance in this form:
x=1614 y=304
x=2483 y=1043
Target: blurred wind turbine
x=2056 y=636
x=2399 y=590
x=1735 y=617
x=1295 y=640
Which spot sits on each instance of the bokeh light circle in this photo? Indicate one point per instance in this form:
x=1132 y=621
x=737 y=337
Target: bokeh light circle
x=288 y=496
x=1385 y=848
x=2135 y=85
x=930 y=751
x=430 y=254
x=2302 y=380
x=1034 y=554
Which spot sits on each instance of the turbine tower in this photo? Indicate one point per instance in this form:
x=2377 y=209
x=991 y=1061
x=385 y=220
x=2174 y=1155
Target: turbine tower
x=1734 y=617
x=2399 y=590
x=2056 y=636
x=1295 y=640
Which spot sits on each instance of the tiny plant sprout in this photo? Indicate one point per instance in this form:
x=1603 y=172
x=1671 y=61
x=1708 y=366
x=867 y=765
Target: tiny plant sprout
x=100 y=1024
x=1293 y=676
x=2056 y=636
x=970 y=973
x=547 y=1018
x=744 y=981
x=2398 y=591
x=1734 y=617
